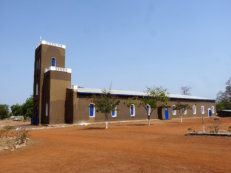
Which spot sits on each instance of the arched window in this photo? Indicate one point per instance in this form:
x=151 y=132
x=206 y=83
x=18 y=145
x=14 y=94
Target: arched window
x=194 y=109
x=148 y=110
x=91 y=110
x=132 y=110
x=202 y=110
x=53 y=62
x=185 y=111
x=174 y=110
x=213 y=111
x=114 y=112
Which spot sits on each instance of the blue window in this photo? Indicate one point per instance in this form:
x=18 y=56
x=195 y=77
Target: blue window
x=114 y=112
x=132 y=110
x=148 y=109
x=53 y=63
x=91 y=110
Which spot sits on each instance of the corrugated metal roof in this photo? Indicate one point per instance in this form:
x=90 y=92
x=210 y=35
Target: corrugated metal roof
x=137 y=93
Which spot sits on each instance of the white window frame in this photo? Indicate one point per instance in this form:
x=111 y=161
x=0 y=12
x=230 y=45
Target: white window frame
x=213 y=109
x=134 y=110
x=93 y=110
x=185 y=111
x=202 y=110
x=194 y=110
x=149 y=110
x=173 y=110
x=115 y=110
x=47 y=108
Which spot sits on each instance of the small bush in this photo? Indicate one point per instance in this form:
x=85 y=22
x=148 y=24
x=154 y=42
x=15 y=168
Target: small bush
x=21 y=135
x=8 y=129
x=191 y=129
x=211 y=129
x=229 y=129
x=2 y=133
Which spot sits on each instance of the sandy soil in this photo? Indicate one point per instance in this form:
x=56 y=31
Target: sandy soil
x=126 y=147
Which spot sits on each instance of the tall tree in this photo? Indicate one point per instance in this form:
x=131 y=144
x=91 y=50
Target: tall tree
x=105 y=103
x=27 y=107
x=181 y=108
x=4 y=111
x=224 y=98
x=185 y=90
x=155 y=97
x=16 y=109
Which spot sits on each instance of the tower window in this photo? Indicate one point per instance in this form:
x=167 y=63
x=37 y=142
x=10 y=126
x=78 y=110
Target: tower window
x=53 y=62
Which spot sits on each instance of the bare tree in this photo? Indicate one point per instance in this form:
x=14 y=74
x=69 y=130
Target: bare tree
x=185 y=90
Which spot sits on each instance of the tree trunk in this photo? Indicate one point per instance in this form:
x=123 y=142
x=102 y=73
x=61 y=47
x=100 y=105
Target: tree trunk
x=106 y=119
x=181 y=119
x=203 y=124
x=149 y=122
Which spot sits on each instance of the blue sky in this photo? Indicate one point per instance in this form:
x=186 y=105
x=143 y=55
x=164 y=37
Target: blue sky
x=129 y=43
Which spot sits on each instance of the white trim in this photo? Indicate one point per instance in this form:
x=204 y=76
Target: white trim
x=134 y=110
x=53 y=68
x=194 y=110
x=173 y=110
x=75 y=87
x=51 y=44
x=115 y=110
x=137 y=93
x=202 y=110
x=93 y=110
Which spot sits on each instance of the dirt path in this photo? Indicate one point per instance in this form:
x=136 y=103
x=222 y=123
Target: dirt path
x=122 y=148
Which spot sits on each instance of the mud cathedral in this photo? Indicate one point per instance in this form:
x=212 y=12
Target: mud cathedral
x=56 y=100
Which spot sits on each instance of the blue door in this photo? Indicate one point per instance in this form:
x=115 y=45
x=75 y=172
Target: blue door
x=91 y=111
x=166 y=114
x=210 y=113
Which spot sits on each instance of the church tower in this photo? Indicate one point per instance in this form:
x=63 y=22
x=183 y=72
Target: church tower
x=49 y=71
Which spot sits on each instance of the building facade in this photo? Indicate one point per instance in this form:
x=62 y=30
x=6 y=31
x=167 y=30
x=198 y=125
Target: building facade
x=57 y=101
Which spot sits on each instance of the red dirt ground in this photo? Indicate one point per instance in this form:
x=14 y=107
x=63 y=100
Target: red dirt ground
x=125 y=147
